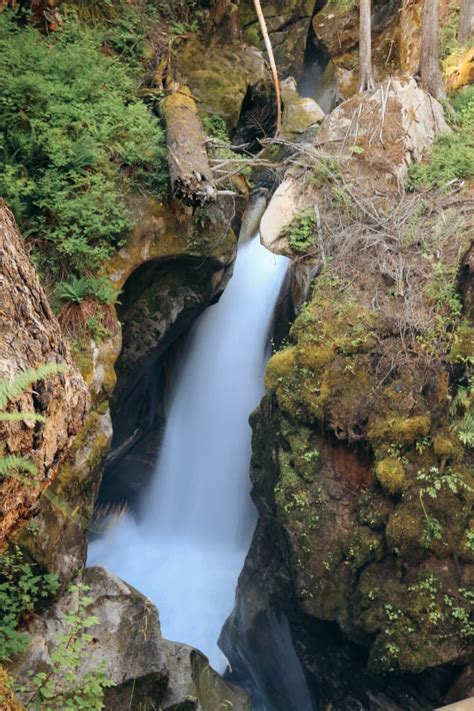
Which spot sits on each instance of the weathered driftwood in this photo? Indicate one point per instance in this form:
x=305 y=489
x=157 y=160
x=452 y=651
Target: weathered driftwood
x=190 y=172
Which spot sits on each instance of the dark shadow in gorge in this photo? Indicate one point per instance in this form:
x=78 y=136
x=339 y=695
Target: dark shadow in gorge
x=318 y=78
x=159 y=303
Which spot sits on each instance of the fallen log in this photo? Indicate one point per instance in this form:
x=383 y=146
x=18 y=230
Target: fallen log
x=190 y=173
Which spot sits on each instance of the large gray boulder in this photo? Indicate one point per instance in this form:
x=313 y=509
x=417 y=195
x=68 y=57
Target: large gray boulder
x=149 y=673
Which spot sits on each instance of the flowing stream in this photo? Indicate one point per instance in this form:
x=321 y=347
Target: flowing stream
x=188 y=546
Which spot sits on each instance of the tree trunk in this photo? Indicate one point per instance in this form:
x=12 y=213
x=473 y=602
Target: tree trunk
x=30 y=336
x=430 y=72
x=190 y=172
x=466 y=21
x=366 y=76
x=268 y=46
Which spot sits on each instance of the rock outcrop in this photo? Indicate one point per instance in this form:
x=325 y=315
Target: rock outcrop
x=396 y=38
x=147 y=671
x=288 y=23
x=375 y=137
x=170 y=267
x=336 y=28
x=221 y=77
x=30 y=336
x=301 y=116
x=362 y=480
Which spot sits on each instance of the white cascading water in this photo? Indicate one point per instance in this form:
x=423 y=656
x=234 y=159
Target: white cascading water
x=187 y=548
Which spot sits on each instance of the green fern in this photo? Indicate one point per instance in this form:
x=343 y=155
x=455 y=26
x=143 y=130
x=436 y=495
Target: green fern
x=20 y=416
x=11 y=464
x=462 y=409
x=9 y=389
x=74 y=290
x=465 y=428
x=97 y=288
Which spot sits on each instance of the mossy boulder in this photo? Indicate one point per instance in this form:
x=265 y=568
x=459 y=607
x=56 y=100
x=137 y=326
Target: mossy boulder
x=369 y=482
x=220 y=77
x=391 y=475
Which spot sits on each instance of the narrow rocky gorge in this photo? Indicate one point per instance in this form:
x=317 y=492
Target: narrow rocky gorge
x=357 y=590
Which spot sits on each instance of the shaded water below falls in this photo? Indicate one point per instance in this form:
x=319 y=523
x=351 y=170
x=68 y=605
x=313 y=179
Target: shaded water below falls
x=187 y=547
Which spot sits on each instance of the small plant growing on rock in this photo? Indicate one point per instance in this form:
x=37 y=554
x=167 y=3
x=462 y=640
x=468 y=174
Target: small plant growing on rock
x=301 y=231
x=88 y=304
x=11 y=464
x=63 y=687
x=462 y=411
x=21 y=590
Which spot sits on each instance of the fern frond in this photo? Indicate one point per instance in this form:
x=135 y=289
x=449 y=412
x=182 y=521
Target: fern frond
x=13 y=462
x=10 y=389
x=20 y=416
x=465 y=429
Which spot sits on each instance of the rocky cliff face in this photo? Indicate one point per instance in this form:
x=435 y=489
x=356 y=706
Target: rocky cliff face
x=30 y=336
x=170 y=268
x=362 y=481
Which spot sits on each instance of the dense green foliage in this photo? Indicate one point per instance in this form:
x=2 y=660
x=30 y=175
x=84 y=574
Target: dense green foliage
x=452 y=156
x=21 y=590
x=73 y=139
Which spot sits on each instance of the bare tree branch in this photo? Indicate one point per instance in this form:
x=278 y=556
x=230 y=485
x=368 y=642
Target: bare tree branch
x=268 y=46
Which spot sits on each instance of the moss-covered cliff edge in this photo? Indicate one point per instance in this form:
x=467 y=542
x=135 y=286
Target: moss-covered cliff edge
x=362 y=466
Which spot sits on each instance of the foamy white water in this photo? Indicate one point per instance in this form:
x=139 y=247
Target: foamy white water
x=188 y=547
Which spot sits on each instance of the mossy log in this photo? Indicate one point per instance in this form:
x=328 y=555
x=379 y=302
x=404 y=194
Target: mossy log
x=190 y=172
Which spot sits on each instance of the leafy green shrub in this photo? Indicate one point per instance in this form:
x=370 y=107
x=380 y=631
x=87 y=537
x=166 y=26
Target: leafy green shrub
x=452 y=156
x=215 y=127
x=301 y=231
x=64 y=687
x=73 y=138
x=21 y=590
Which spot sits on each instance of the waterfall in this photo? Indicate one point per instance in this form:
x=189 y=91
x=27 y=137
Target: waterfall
x=187 y=548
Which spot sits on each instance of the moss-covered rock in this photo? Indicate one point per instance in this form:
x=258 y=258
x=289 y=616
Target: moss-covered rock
x=220 y=77
x=370 y=483
x=391 y=475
